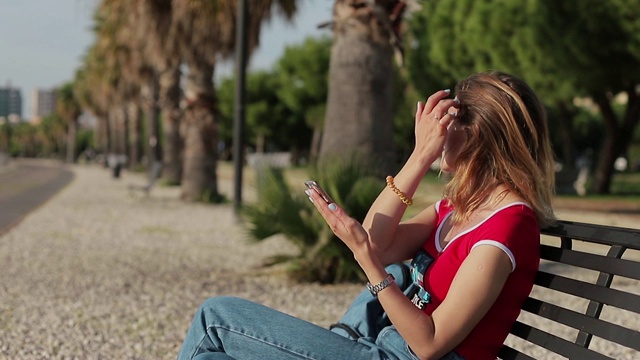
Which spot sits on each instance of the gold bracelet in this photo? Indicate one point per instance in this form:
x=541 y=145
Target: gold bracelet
x=405 y=200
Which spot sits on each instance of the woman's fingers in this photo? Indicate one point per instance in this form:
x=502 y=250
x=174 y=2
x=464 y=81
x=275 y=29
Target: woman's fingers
x=447 y=119
x=331 y=213
x=438 y=106
x=344 y=226
x=444 y=108
x=319 y=202
x=419 y=110
x=434 y=99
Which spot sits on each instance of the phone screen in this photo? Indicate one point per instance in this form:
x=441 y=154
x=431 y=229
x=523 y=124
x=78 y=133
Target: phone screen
x=314 y=186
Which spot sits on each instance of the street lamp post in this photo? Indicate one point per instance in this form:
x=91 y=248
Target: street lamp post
x=239 y=105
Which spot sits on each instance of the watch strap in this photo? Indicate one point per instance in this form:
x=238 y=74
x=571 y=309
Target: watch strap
x=375 y=289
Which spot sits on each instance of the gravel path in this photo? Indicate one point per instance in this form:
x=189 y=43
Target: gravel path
x=99 y=273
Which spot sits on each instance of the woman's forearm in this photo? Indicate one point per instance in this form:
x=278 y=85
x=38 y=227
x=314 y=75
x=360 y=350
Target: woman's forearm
x=382 y=220
x=412 y=323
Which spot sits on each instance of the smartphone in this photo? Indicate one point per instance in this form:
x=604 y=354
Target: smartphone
x=310 y=184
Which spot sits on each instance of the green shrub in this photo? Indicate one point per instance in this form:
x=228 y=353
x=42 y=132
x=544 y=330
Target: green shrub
x=322 y=257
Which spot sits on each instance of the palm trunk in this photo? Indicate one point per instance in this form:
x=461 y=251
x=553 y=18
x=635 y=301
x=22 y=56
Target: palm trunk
x=135 y=134
x=113 y=131
x=150 y=93
x=316 y=140
x=71 y=142
x=125 y=131
x=617 y=138
x=118 y=134
x=604 y=169
x=199 y=180
x=5 y=137
x=566 y=134
x=359 y=118
x=170 y=109
x=260 y=143
x=102 y=134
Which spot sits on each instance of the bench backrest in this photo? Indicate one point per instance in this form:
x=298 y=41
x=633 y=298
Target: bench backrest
x=586 y=300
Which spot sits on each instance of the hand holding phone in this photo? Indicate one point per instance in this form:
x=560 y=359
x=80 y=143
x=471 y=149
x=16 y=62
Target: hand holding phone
x=312 y=185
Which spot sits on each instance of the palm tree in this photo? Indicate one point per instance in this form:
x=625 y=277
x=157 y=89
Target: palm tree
x=98 y=81
x=206 y=32
x=86 y=85
x=359 y=106
x=68 y=107
x=156 y=23
x=117 y=82
x=139 y=85
x=94 y=93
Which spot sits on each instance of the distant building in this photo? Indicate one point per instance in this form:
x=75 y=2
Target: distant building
x=43 y=103
x=10 y=101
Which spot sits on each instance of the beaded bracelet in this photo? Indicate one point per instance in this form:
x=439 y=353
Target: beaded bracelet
x=405 y=200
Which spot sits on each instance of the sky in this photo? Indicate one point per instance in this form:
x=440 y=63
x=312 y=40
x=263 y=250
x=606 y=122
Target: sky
x=42 y=42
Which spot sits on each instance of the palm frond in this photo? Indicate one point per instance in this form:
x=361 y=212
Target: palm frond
x=323 y=257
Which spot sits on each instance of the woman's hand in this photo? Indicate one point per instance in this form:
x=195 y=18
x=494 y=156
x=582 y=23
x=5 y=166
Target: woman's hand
x=343 y=226
x=431 y=122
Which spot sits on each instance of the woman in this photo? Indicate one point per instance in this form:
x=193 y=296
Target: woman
x=481 y=241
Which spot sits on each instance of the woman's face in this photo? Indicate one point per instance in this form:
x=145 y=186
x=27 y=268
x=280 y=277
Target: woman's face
x=456 y=138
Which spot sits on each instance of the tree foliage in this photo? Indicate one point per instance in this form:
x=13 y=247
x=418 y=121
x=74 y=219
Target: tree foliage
x=285 y=103
x=302 y=74
x=563 y=50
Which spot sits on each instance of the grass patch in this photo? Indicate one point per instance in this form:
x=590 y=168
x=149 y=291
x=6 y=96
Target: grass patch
x=625 y=184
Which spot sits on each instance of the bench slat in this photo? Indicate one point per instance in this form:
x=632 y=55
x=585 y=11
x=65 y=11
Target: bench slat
x=618 y=241
x=599 y=234
x=508 y=353
x=613 y=297
x=553 y=343
x=595 y=308
x=610 y=265
x=597 y=327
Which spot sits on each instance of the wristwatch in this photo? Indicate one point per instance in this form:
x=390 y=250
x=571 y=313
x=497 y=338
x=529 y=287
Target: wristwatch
x=375 y=289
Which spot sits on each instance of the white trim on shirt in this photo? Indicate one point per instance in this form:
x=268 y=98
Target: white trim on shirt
x=500 y=246
x=481 y=242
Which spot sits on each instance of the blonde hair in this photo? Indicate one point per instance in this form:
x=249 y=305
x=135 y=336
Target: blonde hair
x=507 y=144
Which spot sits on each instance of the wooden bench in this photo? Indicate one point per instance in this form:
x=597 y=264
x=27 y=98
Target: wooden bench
x=586 y=300
x=154 y=175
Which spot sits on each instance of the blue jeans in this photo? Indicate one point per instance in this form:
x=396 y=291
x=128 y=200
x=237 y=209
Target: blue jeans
x=233 y=328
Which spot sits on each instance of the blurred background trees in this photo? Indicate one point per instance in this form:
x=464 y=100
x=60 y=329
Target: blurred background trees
x=149 y=80
x=149 y=77
x=135 y=67
x=285 y=106
x=578 y=57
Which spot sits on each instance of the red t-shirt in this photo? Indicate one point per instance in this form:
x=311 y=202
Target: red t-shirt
x=515 y=230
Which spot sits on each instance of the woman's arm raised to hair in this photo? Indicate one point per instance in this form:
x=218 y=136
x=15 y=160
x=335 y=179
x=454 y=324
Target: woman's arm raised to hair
x=382 y=222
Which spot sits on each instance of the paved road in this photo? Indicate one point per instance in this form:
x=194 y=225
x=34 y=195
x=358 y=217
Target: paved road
x=27 y=184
